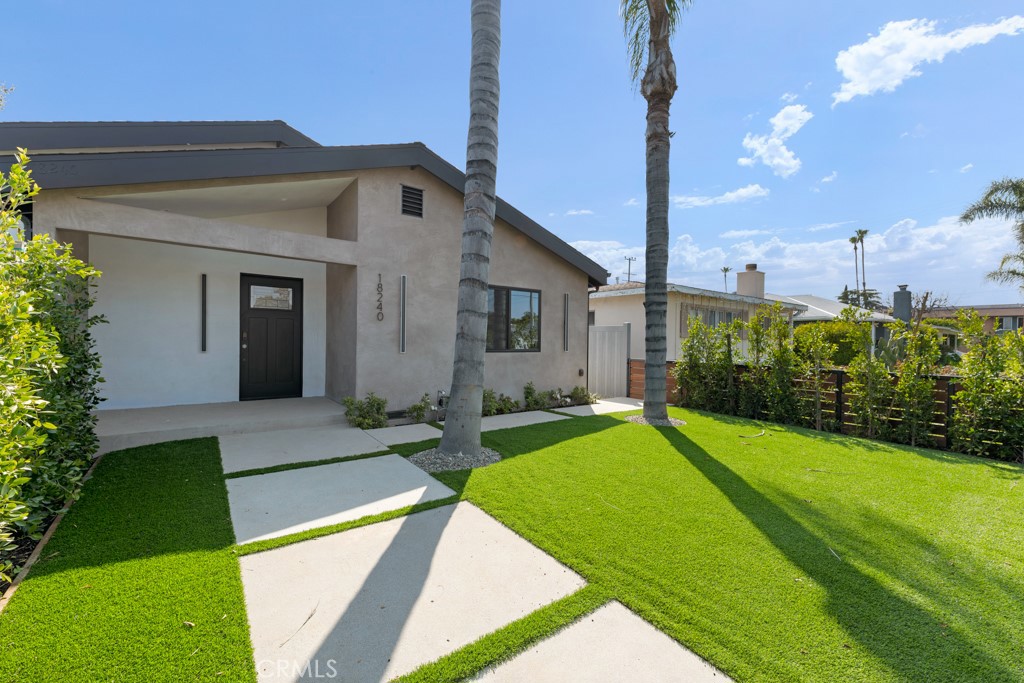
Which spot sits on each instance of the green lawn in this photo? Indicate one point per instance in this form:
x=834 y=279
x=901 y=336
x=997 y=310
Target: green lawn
x=790 y=556
x=146 y=549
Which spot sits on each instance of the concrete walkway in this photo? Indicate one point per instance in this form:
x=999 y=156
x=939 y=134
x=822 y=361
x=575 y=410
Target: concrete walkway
x=282 y=503
x=604 y=406
x=132 y=427
x=610 y=644
x=381 y=600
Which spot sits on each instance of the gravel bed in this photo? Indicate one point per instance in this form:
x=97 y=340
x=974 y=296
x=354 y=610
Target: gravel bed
x=641 y=420
x=434 y=461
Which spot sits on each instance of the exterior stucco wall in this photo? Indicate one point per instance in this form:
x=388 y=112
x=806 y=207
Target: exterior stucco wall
x=427 y=251
x=150 y=294
x=311 y=221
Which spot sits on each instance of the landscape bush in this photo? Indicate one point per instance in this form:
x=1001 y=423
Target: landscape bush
x=49 y=372
x=417 y=412
x=988 y=409
x=369 y=413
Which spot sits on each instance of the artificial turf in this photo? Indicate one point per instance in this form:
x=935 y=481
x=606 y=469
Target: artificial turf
x=139 y=582
x=790 y=556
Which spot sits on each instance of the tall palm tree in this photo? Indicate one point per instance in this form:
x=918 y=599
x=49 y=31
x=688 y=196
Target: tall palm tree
x=856 y=269
x=648 y=26
x=861 y=234
x=725 y=278
x=1004 y=199
x=462 y=423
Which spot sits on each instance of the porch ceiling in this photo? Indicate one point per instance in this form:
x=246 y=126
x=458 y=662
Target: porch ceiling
x=236 y=200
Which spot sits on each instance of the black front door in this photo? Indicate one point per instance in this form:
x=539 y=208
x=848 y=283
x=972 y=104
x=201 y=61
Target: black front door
x=271 y=338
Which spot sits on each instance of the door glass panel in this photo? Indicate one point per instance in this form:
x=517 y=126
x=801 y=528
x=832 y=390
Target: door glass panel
x=277 y=298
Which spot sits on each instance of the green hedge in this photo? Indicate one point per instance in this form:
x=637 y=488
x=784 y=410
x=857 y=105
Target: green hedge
x=49 y=372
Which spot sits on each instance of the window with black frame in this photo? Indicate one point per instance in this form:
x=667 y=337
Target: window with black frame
x=513 y=319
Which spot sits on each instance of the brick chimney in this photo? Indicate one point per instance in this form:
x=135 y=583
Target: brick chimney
x=750 y=282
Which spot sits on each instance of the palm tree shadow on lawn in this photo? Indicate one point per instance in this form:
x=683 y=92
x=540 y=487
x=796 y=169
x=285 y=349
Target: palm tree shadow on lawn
x=877 y=618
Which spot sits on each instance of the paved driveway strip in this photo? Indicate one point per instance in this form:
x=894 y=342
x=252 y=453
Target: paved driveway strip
x=281 y=503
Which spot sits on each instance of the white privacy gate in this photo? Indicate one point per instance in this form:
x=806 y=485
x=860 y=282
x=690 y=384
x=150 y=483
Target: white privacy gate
x=608 y=362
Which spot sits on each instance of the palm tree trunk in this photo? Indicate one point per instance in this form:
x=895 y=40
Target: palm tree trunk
x=863 y=272
x=856 y=268
x=462 y=423
x=658 y=86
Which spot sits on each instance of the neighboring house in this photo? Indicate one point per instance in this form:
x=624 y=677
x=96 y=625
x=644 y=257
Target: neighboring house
x=998 y=317
x=820 y=309
x=624 y=303
x=242 y=260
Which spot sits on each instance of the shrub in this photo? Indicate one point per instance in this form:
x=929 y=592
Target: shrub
x=870 y=387
x=533 y=399
x=582 y=396
x=370 y=413
x=840 y=333
x=818 y=352
x=704 y=372
x=417 y=412
x=914 y=390
x=49 y=371
x=988 y=417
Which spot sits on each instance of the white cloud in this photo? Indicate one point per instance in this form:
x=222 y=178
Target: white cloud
x=827 y=226
x=612 y=255
x=742 y=194
x=632 y=201
x=966 y=168
x=830 y=177
x=740 y=234
x=883 y=62
x=789 y=97
x=906 y=252
x=771 y=148
x=579 y=212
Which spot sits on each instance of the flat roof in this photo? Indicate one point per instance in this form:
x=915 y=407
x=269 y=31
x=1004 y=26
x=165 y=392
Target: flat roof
x=93 y=134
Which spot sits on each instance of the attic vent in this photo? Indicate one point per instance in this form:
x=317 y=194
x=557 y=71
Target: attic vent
x=412 y=201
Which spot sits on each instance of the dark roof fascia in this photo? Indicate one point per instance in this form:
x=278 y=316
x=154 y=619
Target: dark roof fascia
x=63 y=171
x=97 y=134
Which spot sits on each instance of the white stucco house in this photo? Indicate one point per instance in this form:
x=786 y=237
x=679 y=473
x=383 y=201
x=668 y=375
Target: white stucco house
x=242 y=260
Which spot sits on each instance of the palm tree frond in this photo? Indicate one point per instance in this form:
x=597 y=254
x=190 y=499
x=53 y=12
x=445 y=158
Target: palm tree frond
x=636 y=27
x=1003 y=199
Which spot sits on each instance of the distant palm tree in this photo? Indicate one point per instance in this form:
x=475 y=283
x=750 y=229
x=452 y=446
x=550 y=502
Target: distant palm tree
x=462 y=422
x=1004 y=199
x=648 y=26
x=725 y=278
x=856 y=269
x=861 y=234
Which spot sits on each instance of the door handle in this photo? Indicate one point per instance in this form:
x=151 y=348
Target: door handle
x=245 y=346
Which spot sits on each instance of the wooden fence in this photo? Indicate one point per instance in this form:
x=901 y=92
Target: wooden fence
x=836 y=400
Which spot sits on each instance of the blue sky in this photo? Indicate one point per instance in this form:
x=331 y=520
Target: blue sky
x=796 y=123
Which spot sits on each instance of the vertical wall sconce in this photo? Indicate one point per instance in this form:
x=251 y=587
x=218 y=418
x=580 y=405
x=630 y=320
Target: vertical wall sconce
x=401 y=316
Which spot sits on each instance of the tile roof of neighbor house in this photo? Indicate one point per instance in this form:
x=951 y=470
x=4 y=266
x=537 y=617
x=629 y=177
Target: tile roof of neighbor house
x=632 y=288
x=96 y=169
x=820 y=308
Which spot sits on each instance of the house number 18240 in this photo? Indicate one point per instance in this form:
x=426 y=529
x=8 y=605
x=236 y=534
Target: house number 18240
x=380 y=297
